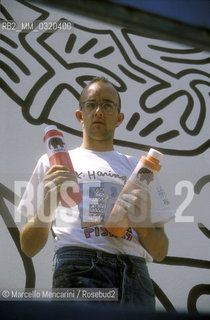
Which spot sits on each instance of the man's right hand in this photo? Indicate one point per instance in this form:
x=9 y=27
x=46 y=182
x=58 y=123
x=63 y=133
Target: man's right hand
x=53 y=180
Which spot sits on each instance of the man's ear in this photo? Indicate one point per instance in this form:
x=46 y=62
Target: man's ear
x=120 y=119
x=78 y=114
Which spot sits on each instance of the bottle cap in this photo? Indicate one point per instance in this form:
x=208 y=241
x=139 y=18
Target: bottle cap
x=51 y=127
x=155 y=154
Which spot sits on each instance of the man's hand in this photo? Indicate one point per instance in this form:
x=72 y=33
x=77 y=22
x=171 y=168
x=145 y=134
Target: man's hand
x=54 y=180
x=137 y=205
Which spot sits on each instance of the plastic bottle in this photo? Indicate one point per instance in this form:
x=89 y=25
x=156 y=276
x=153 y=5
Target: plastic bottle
x=141 y=178
x=58 y=155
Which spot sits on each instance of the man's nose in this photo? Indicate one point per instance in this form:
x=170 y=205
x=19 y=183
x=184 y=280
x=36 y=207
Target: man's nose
x=98 y=109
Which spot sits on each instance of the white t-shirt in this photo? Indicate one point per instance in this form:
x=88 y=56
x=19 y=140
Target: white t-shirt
x=101 y=176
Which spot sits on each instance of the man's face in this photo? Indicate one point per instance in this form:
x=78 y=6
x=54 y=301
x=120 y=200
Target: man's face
x=96 y=124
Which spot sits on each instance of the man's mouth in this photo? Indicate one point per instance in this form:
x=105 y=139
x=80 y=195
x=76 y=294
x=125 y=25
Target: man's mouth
x=98 y=121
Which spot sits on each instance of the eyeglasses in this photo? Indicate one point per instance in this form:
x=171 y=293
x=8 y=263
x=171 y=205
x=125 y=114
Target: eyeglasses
x=106 y=107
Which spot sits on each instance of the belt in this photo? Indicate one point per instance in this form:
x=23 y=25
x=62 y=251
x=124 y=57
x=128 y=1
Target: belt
x=97 y=253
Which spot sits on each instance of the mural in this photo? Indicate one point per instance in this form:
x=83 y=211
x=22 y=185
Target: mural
x=48 y=57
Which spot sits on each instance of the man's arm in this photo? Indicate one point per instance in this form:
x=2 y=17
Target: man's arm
x=34 y=234
x=154 y=240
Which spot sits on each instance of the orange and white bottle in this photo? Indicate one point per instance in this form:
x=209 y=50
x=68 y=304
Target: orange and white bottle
x=58 y=155
x=141 y=178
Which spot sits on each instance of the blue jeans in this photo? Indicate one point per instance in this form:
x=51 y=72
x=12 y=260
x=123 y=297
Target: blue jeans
x=85 y=268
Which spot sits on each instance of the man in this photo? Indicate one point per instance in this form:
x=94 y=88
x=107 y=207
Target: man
x=88 y=256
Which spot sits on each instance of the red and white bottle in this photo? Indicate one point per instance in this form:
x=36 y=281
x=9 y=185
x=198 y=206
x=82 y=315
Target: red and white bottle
x=59 y=155
x=141 y=178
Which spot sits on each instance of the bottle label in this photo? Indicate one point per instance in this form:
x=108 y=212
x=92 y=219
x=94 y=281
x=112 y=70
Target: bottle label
x=54 y=145
x=142 y=176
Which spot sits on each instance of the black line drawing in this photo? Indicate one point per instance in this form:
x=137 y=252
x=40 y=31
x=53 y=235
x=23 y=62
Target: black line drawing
x=201 y=183
x=9 y=195
x=155 y=79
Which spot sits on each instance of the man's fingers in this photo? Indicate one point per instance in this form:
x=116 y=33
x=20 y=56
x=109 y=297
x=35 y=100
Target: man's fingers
x=140 y=194
x=57 y=168
x=60 y=176
x=125 y=204
x=61 y=179
x=129 y=198
x=57 y=183
x=137 y=198
x=51 y=192
x=59 y=171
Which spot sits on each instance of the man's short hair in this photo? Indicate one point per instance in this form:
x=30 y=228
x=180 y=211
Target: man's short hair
x=100 y=79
